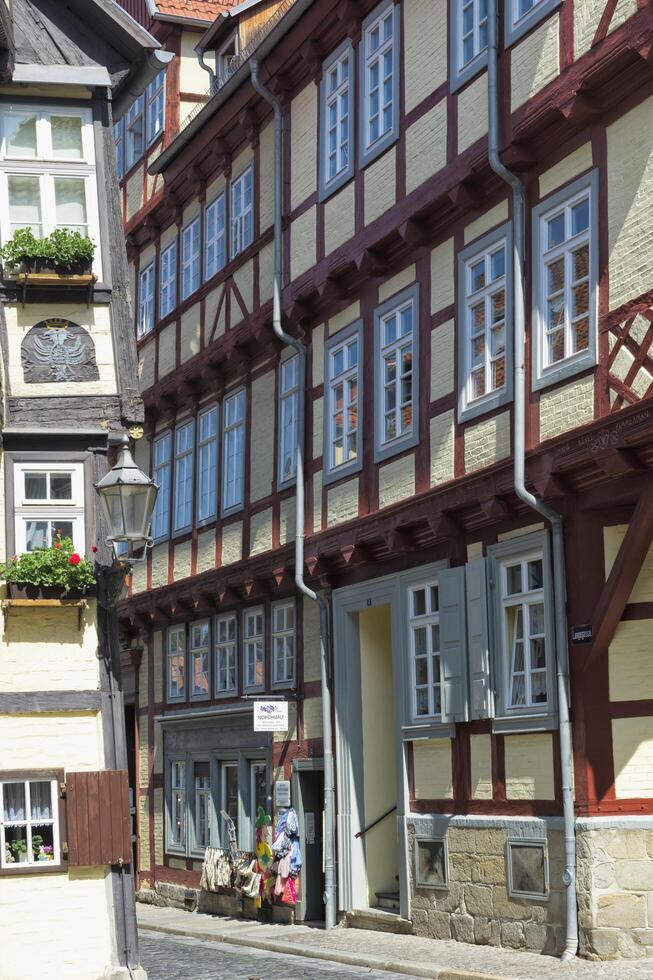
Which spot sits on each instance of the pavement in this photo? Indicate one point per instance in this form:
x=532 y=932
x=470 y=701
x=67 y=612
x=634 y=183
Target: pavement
x=406 y=956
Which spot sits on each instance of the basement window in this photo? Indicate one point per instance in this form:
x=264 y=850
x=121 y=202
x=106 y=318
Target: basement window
x=431 y=863
x=528 y=869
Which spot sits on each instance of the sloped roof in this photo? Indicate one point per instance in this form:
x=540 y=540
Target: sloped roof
x=197 y=9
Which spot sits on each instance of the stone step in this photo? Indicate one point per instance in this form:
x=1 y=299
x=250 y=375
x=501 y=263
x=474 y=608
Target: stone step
x=389 y=901
x=380 y=920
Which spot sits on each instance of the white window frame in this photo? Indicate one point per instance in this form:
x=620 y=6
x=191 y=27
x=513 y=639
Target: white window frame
x=177 y=790
x=251 y=639
x=280 y=635
x=31 y=863
x=201 y=793
x=288 y=406
x=482 y=250
x=162 y=453
x=208 y=447
x=233 y=453
x=224 y=62
x=225 y=647
x=385 y=448
x=371 y=148
x=545 y=374
x=523 y=601
x=175 y=650
x=242 y=219
x=184 y=461
x=433 y=658
x=49 y=510
x=47 y=169
x=191 y=270
x=224 y=766
x=215 y=236
x=168 y=279
x=342 y=342
x=134 y=142
x=145 y=323
x=343 y=55
x=460 y=71
x=516 y=26
x=155 y=108
x=199 y=632
x=119 y=139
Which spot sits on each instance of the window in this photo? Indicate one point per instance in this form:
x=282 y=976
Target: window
x=202 y=776
x=342 y=417
x=184 y=460
x=283 y=643
x=227 y=59
x=199 y=659
x=225 y=654
x=523 y=625
x=214 y=234
x=485 y=312
x=396 y=337
x=229 y=799
x=521 y=15
x=424 y=640
x=233 y=453
x=254 y=648
x=336 y=164
x=155 y=107
x=177 y=663
x=288 y=409
x=431 y=863
x=168 y=280
x=207 y=465
x=528 y=869
x=564 y=282
x=469 y=39
x=190 y=258
x=119 y=138
x=29 y=823
x=379 y=81
x=177 y=804
x=258 y=794
x=47 y=172
x=242 y=213
x=145 y=301
x=134 y=135
x=48 y=500
x=162 y=465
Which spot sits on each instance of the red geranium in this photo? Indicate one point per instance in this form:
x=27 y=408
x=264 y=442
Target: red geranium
x=93 y=548
x=74 y=559
x=57 y=545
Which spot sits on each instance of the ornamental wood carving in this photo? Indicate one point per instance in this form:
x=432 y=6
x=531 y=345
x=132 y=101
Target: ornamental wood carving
x=57 y=350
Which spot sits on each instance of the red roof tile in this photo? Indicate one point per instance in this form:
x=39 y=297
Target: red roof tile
x=198 y=9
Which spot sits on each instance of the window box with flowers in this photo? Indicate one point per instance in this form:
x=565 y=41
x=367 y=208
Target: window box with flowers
x=55 y=572
x=63 y=253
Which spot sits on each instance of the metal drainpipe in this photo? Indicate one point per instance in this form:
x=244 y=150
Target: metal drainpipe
x=297 y=345
x=200 y=58
x=551 y=515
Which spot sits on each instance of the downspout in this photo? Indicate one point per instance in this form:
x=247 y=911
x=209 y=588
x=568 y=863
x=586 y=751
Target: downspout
x=300 y=348
x=200 y=57
x=551 y=515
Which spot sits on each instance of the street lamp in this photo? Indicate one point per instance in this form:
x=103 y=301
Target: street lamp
x=128 y=496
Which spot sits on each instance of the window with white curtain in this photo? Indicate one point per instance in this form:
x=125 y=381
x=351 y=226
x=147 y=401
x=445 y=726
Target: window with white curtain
x=524 y=632
x=48 y=503
x=177 y=829
x=424 y=644
x=184 y=463
x=283 y=643
x=190 y=258
x=145 y=301
x=254 y=647
x=155 y=107
x=215 y=250
x=233 y=452
x=176 y=657
x=288 y=409
x=168 y=280
x=199 y=655
x=225 y=654
x=162 y=476
x=207 y=465
x=242 y=212
x=202 y=776
x=29 y=822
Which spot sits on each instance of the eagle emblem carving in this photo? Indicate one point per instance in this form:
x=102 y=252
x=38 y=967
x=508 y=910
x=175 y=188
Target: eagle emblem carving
x=56 y=350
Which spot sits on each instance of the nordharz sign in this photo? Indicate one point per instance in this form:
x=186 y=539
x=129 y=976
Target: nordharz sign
x=270 y=716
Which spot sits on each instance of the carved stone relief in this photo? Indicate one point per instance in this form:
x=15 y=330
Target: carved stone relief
x=58 y=350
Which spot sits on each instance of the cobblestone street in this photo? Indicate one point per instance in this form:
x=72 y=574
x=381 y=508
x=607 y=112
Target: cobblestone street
x=167 y=957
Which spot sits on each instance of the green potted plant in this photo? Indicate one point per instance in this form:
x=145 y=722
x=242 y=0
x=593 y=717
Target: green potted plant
x=64 y=252
x=55 y=572
x=19 y=850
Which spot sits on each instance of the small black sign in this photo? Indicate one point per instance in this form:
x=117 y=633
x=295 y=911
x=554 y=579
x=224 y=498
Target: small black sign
x=582 y=634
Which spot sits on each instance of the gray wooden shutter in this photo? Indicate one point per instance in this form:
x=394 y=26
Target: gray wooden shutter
x=451 y=583
x=478 y=640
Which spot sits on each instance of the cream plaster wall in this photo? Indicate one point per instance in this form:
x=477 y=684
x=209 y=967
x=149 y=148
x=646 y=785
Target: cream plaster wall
x=266 y=166
x=380 y=186
x=70 y=741
x=397 y=480
x=612 y=540
x=342 y=502
x=205 y=551
x=266 y=272
x=318 y=427
x=519 y=532
x=260 y=532
x=181 y=561
x=344 y=318
x=190 y=333
x=425 y=46
x=159 y=568
x=60 y=657
x=630 y=661
x=487 y=442
x=442 y=360
x=432 y=769
x=396 y=283
x=244 y=282
x=158 y=826
x=139 y=578
x=313 y=718
x=261 y=455
x=317 y=501
x=569 y=167
x=566 y=408
x=232 y=542
x=442 y=280
x=146 y=365
x=167 y=349
x=339 y=218
x=587 y=16
x=317 y=350
x=287 y=521
x=303 y=144
x=157 y=665
x=441 y=428
x=481 y=766
x=145 y=853
x=632 y=747
x=312 y=652
x=143 y=676
x=472 y=112
x=302 y=243
x=490 y=219
x=426 y=146
x=134 y=192
x=192 y=77
x=534 y=61
x=529 y=767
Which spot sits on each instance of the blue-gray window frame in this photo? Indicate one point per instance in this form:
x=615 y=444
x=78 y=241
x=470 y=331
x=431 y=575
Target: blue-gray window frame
x=459 y=77
x=488 y=402
x=199 y=445
x=541 y=9
x=398 y=445
x=333 y=473
x=183 y=529
x=235 y=508
x=176 y=698
x=328 y=187
x=367 y=154
x=167 y=434
x=577 y=363
x=281 y=398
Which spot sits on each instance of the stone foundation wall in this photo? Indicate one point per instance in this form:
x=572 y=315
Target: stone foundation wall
x=475 y=906
x=615 y=887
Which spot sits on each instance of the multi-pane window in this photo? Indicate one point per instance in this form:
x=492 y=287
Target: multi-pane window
x=258 y=794
x=225 y=653
x=472 y=30
x=155 y=107
x=233 y=455
x=229 y=798
x=177 y=803
x=207 y=464
x=337 y=117
x=379 y=83
x=524 y=632
x=522 y=15
x=199 y=655
x=288 y=411
x=254 y=647
x=424 y=639
x=202 y=777
x=343 y=422
x=190 y=258
x=134 y=132
x=215 y=249
x=119 y=139
x=485 y=322
x=176 y=655
x=283 y=642
x=184 y=459
x=396 y=354
x=161 y=474
x=242 y=212
x=168 y=280
x=145 y=301
x=29 y=823
x=48 y=503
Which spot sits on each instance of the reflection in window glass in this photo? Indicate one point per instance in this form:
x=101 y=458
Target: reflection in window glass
x=25 y=203
x=67 y=137
x=70 y=204
x=20 y=135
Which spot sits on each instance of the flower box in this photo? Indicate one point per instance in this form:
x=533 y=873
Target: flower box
x=25 y=590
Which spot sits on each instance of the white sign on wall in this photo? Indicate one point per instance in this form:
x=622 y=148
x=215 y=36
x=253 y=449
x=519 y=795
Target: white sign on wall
x=270 y=716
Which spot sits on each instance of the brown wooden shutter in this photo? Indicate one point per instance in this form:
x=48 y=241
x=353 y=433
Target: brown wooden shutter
x=97 y=811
